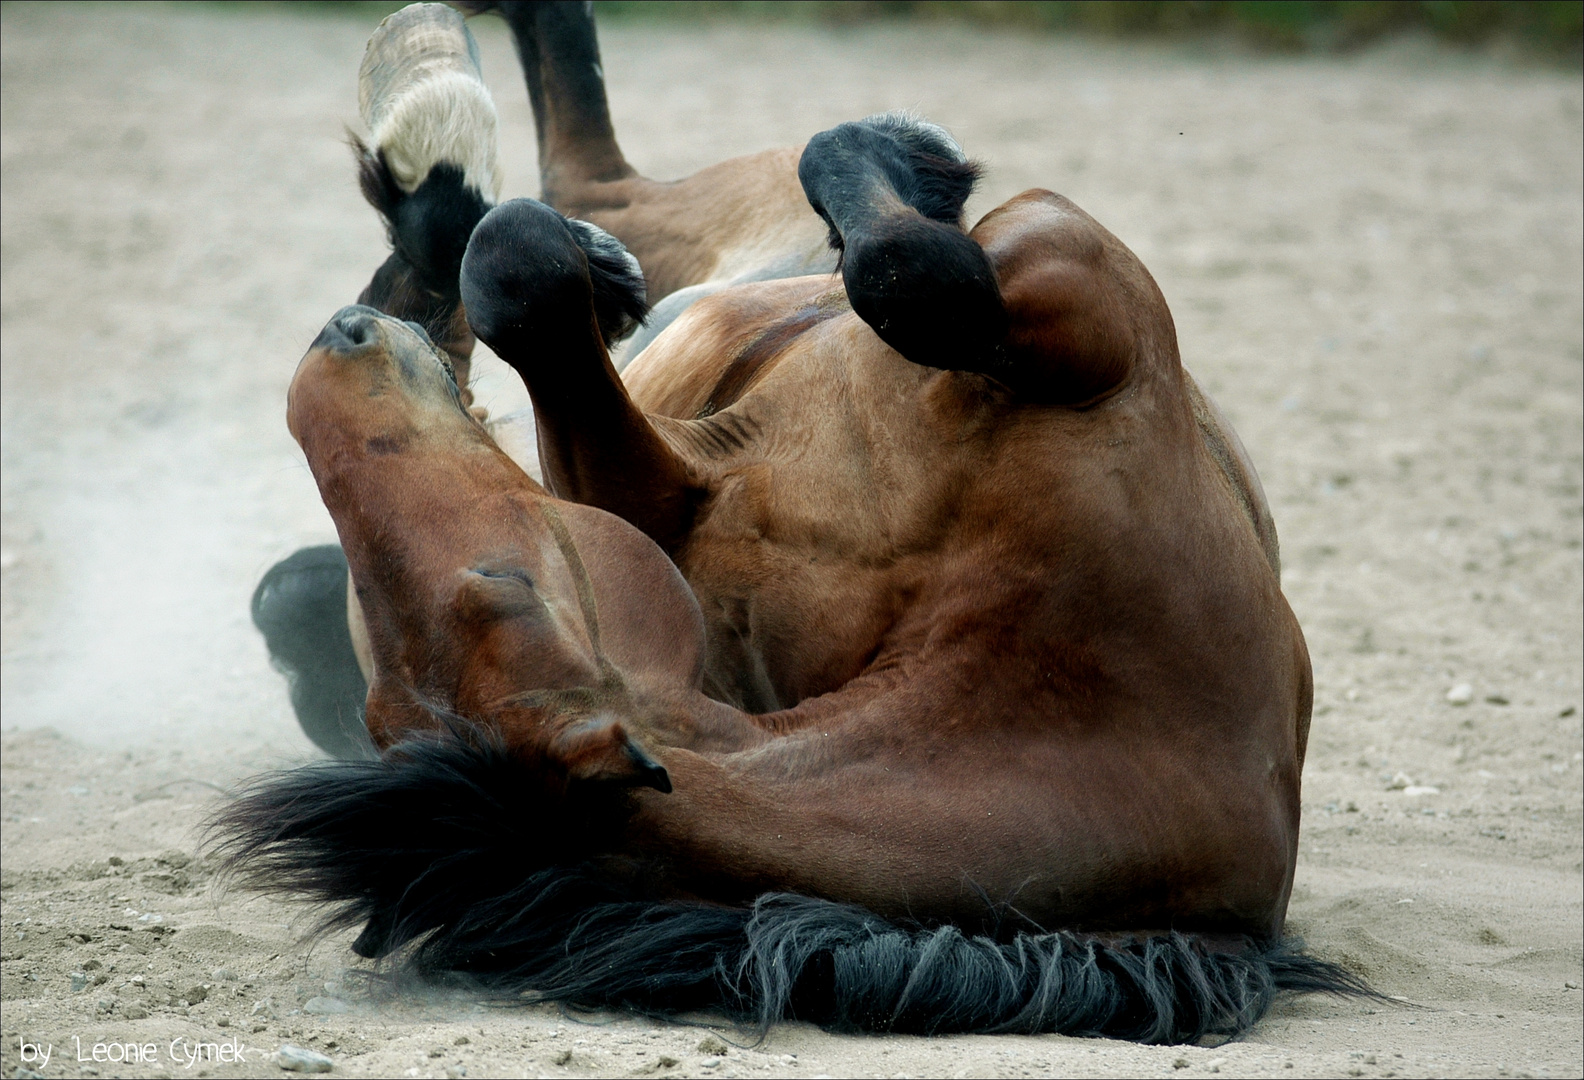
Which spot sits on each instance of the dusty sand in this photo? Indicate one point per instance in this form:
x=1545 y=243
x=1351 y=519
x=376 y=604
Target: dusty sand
x=1375 y=267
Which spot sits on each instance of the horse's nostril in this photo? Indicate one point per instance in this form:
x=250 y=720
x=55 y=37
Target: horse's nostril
x=357 y=325
x=350 y=328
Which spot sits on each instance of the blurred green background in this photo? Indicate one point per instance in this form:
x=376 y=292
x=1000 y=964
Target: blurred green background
x=1551 y=30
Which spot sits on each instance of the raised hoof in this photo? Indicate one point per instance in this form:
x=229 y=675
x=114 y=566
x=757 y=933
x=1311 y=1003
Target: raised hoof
x=422 y=97
x=300 y=608
x=928 y=291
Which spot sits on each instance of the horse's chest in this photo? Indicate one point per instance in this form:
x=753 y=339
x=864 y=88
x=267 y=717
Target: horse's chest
x=796 y=601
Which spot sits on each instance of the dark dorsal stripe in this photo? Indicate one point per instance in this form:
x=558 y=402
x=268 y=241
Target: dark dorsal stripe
x=765 y=346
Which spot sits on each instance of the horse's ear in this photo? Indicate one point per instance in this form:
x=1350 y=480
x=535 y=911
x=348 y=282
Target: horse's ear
x=599 y=749
x=621 y=299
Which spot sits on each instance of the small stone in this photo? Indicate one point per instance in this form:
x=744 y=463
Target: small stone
x=223 y=1021
x=461 y=1040
x=297 y=1059
x=25 y=1073
x=438 y=1051
x=195 y=994
x=1399 y=782
x=264 y=1007
x=1461 y=694
x=135 y=1012
x=79 y=981
x=325 y=1006
x=710 y=1063
x=563 y=1058
x=1180 y=1063
x=454 y=1071
x=106 y=1005
x=711 y=1044
x=1214 y=1064
x=668 y=1062
x=223 y=975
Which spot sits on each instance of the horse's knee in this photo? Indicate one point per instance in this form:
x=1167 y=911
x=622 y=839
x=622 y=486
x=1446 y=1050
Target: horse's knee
x=1080 y=307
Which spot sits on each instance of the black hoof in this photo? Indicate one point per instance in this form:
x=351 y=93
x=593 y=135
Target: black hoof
x=300 y=608
x=892 y=190
x=531 y=276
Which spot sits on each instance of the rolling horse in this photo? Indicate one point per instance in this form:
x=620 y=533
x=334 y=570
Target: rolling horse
x=895 y=642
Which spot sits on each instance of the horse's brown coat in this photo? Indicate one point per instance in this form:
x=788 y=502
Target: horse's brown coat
x=938 y=643
x=991 y=648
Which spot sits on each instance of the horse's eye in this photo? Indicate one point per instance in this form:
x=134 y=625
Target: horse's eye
x=508 y=573
x=502 y=593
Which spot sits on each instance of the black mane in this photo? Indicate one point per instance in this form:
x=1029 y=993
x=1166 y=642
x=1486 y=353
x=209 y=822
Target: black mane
x=453 y=852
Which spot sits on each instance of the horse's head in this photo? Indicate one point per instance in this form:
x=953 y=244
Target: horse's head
x=483 y=596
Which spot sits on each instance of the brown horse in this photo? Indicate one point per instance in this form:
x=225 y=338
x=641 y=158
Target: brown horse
x=867 y=612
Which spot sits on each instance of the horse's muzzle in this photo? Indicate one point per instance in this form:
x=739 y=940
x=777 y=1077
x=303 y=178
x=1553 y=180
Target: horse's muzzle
x=353 y=327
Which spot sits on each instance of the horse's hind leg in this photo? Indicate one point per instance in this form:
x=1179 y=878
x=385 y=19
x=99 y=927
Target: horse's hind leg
x=430 y=167
x=566 y=87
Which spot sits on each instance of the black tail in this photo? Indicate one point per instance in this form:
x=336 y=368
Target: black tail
x=300 y=606
x=443 y=847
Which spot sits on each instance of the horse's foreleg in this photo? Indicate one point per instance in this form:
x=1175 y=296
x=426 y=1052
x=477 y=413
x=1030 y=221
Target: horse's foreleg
x=548 y=293
x=429 y=168
x=891 y=188
x=1038 y=296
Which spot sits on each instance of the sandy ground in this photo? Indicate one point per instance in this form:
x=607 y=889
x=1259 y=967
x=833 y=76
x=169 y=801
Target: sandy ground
x=1375 y=266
